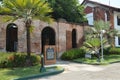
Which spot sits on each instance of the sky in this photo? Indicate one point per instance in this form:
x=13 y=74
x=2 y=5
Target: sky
x=114 y=3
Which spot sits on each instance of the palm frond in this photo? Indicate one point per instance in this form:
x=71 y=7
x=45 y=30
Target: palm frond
x=27 y=9
x=101 y=25
x=87 y=44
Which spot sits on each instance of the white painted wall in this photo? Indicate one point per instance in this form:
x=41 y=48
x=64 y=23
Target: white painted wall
x=105 y=17
x=117 y=27
x=90 y=18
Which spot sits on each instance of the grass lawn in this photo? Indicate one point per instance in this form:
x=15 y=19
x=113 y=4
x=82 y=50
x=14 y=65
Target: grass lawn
x=10 y=74
x=108 y=59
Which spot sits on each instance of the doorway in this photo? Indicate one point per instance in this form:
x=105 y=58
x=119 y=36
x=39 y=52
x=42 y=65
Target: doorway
x=74 y=43
x=48 y=37
x=11 y=37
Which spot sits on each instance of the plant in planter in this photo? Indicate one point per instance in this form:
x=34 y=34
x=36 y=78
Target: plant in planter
x=94 y=43
x=92 y=46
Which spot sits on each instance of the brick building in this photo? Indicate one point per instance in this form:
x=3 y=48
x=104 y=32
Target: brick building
x=97 y=11
x=63 y=35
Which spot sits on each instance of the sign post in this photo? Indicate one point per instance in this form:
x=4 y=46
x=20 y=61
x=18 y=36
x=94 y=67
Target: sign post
x=50 y=54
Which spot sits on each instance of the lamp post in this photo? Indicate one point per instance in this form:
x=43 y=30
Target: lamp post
x=101 y=40
x=42 y=68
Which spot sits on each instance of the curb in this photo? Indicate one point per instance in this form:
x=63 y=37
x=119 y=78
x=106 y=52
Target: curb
x=41 y=75
x=96 y=63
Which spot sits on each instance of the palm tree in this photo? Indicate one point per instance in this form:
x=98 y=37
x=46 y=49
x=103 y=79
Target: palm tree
x=26 y=10
x=94 y=32
x=92 y=43
x=109 y=33
x=92 y=46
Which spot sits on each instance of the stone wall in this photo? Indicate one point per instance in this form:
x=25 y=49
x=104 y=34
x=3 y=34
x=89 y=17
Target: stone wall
x=60 y=29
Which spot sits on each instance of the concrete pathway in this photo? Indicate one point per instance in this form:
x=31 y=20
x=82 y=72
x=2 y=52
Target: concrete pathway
x=75 y=71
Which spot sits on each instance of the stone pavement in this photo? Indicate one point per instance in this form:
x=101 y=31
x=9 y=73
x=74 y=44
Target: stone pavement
x=75 y=71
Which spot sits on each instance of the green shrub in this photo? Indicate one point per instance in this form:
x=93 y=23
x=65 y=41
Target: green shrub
x=3 y=59
x=17 y=59
x=106 y=51
x=114 y=51
x=73 y=54
x=35 y=59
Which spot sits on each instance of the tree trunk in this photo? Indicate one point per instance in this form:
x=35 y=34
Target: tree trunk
x=28 y=60
x=28 y=41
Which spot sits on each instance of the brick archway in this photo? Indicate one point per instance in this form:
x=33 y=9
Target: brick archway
x=48 y=37
x=74 y=43
x=11 y=37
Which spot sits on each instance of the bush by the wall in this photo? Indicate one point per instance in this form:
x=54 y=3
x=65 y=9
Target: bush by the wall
x=35 y=59
x=114 y=51
x=73 y=54
x=3 y=59
x=17 y=59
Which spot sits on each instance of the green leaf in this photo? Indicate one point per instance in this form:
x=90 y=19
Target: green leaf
x=32 y=28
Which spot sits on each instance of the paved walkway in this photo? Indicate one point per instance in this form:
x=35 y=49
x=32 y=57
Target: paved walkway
x=74 y=71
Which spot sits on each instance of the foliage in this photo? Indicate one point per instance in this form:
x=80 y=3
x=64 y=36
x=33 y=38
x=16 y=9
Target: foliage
x=108 y=59
x=106 y=50
x=73 y=54
x=26 y=10
x=92 y=45
x=110 y=35
x=114 y=51
x=17 y=60
x=70 y=10
x=93 y=37
x=99 y=26
x=96 y=32
x=26 y=73
x=11 y=74
x=3 y=58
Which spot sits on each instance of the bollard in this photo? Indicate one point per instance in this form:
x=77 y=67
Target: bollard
x=42 y=68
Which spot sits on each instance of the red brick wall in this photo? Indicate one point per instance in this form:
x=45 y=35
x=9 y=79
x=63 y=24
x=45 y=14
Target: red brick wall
x=88 y=10
x=111 y=20
x=99 y=14
x=62 y=42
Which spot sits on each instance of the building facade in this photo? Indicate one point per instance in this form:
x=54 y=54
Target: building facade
x=96 y=11
x=62 y=35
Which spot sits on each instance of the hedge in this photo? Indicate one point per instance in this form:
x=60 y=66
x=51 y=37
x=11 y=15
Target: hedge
x=73 y=54
x=114 y=51
x=8 y=60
